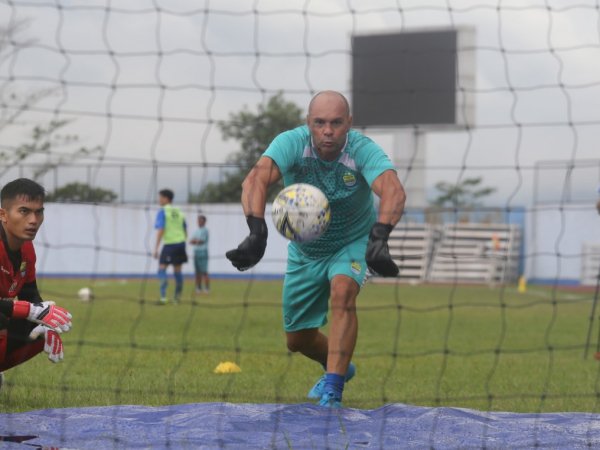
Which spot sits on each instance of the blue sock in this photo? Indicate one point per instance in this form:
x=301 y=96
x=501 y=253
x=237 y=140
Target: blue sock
x=349 y=374
x=334 y=383
x=162 y=278
x=178 y=283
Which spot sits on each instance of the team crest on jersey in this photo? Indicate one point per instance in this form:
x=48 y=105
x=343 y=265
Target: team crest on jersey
x=23 y=268
x=355 y=267
x=349 y=179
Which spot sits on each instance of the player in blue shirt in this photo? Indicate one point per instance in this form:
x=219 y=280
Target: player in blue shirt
x=347 y=166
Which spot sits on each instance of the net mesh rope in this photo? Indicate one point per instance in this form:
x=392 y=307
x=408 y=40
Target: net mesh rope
x=147 y=83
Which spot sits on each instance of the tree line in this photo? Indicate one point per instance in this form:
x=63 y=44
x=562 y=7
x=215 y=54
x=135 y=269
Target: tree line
x=253 y=130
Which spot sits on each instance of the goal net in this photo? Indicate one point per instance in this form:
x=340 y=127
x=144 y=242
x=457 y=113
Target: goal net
x=105 y=103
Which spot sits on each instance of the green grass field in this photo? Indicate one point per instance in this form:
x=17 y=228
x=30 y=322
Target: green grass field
x=466 y=346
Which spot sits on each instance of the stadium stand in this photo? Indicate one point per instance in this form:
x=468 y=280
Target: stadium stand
x=590 y=264
x=470 y=252
x=411 y=247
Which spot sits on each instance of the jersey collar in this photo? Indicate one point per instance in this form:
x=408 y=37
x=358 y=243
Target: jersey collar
x=316 y=153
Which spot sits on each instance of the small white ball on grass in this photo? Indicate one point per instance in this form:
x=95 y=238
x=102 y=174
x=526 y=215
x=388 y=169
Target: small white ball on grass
x=85 y=294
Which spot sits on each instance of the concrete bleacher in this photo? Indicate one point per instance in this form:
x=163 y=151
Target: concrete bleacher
x=466 y=253
x=590 y=264
x=477 y=253
x=411 y=246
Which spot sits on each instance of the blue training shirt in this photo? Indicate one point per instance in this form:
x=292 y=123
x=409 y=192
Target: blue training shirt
x=346 y=182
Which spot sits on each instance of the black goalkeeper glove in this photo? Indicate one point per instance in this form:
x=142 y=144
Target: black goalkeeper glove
x=378 y=253
x=252 y=249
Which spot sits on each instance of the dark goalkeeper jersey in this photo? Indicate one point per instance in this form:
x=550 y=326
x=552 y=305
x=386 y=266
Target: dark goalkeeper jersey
x=13 y=278
x=17 y=279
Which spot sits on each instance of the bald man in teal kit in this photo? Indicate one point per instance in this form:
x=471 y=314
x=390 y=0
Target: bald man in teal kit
x=347 y=166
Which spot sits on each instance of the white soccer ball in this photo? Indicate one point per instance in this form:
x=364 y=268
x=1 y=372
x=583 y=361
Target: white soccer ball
x=301 y=212
x=85 y=294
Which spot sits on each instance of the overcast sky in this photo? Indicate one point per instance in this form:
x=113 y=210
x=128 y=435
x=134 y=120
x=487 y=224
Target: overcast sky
x=146 y=80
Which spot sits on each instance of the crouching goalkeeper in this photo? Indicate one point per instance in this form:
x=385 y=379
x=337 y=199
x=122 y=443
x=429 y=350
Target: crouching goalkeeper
x=28 y=325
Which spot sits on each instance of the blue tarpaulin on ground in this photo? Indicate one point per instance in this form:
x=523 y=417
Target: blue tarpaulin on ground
x=299 y=426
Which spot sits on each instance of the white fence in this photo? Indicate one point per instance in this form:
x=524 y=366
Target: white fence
x=554 y=240
x=117 y=240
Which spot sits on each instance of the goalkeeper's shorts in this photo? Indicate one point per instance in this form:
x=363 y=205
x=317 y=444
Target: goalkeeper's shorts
x=306 y=287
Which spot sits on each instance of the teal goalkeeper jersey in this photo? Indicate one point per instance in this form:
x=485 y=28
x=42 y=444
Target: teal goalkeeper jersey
x=346 y=182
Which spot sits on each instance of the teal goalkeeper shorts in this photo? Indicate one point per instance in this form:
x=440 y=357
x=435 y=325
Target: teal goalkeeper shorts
x=307 y=283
